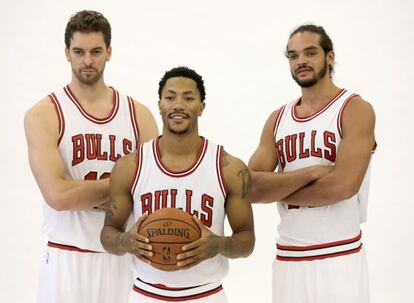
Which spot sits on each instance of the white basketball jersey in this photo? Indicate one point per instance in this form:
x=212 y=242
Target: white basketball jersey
x=302 y=142
x=198 y=190
x=89 y=147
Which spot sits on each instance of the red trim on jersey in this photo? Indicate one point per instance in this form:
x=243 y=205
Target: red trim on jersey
x=320 y=257
x=138 y=167
x=308 y=118
x=319 y=246
x=219 y=170
x=88 y=116
x=341 y=111
x=71 y=248
x=277 y=121
x=177 y=299
x=183 y=173
x=131 y=106
x=61 y=117
x=340 y=120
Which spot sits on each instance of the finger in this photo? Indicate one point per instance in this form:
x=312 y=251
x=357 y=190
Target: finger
x=198 y=222
x=192 y=245
x=186 y=255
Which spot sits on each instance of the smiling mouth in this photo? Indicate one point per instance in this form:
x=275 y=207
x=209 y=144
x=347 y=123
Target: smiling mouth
x=178 y=116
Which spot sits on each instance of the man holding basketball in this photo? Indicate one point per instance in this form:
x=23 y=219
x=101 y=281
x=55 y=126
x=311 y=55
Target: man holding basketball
x=181 y=169
x=322 y=144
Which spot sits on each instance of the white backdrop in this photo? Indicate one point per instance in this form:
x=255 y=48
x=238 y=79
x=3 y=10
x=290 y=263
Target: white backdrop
x=237 y=46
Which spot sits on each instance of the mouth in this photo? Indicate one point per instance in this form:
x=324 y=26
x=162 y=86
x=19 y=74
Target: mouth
x=303 y=70
x=178 y=116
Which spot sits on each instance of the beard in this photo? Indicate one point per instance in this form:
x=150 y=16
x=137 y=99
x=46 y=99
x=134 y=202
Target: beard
x=89 y=80
x=312 y=81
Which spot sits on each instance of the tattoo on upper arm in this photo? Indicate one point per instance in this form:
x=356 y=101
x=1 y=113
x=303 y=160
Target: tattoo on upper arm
x=225 y=160
x=246 y=182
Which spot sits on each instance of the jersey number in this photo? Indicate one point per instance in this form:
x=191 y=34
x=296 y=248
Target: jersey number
x=93 y=175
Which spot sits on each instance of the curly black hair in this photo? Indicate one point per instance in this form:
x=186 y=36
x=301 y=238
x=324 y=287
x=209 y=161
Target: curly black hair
x=183 y=71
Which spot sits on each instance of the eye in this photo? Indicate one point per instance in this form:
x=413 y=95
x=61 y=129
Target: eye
x=292 y=56
x=96 y=52
x=77 y=52
x=311 y=53
x=168 y=98
x=189 y=99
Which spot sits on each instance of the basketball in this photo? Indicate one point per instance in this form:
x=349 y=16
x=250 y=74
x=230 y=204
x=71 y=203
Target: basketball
x=168 y=230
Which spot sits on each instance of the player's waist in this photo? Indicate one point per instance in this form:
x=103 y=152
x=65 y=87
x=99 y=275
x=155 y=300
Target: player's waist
x=319 y=251
x=70 y=247
x=169 y=293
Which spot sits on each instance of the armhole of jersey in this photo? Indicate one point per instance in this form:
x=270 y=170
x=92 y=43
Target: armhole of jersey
x=340 y=118
x=138 y=167
x=219 y=170
x=131 y=107
x=278 y=118
x=61 y=118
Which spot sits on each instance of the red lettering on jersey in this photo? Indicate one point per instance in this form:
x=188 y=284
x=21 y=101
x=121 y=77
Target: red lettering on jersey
x=280 y=154
x=78 y=149
x=91 y=147
x=315 y=152
x=303 y=153
x=188 y=209
x=160 y=204
x=207 y=204
x=112 y=155
x=290 y=147
x=100 y=155
x=127 y=146
x=173 y=197
x=146 y=203
x=329 y=141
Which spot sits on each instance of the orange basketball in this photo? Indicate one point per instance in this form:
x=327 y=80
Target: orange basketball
x=168 y=230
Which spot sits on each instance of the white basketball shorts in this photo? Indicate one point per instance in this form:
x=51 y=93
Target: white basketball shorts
x=143 y=292
x=340 y=279
x=71 y=275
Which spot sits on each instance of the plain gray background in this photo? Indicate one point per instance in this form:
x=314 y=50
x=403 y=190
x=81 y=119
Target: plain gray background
x=237 y=46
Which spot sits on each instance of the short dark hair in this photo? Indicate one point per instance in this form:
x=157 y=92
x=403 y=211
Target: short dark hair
x=325 y=41
x=183 y=71
x=87 y=22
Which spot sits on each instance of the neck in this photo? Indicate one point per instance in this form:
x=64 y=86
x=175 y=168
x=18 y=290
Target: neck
x=319 y=93
x=89 y=93
x=179 y=144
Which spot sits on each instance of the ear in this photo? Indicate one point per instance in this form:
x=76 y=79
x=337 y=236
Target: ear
x=109 y=50
x=67 y=54
x=202 y=107
x=330 y=57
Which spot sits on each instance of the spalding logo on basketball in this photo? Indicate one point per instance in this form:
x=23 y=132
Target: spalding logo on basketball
x=168 y=230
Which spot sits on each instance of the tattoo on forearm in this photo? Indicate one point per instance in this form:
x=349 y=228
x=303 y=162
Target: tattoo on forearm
x=246 y=182
x=110 y=210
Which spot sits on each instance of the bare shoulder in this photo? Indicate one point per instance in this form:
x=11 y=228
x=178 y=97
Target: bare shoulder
x=146 y=123
x=42 y=115
x=358 y=109
x=123 y=171
x=236 y=174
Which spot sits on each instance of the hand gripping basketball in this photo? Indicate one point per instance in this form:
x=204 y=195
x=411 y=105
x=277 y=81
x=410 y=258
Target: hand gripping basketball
x=168 y=230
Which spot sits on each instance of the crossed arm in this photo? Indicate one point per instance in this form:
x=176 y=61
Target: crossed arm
x=317 y=185
x=59 y=190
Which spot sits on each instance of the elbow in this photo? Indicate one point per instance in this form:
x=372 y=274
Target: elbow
x=56 y=201
x=347 y=191
x=250 y=246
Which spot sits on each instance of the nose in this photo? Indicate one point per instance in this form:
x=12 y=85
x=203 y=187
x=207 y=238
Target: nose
x=179 y=103
x=302 y=60
x=87 y=60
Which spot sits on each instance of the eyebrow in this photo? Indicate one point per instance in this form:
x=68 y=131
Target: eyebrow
x=307 y=48
x=188 y=92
